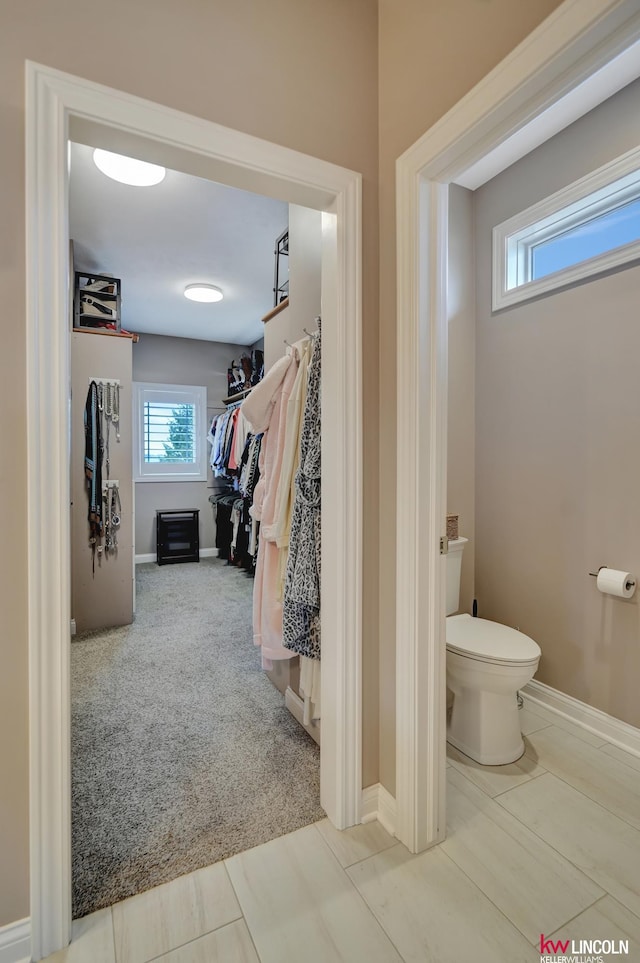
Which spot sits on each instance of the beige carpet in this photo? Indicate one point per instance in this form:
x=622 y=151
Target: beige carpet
x=183 y=752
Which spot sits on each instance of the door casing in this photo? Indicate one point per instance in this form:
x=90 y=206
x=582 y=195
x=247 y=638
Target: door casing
x=56 y=101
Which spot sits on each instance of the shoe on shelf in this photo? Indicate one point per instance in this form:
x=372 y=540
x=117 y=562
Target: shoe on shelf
x=96 y=308
x=106 y=287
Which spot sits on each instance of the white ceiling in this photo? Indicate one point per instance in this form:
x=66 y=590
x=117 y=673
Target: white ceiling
x=183 y=230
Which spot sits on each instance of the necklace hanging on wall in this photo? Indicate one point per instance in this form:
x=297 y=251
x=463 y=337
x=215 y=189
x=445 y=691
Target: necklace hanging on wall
x=93 y=468
x=102 y=410
x=115 y=410
x=112 y=516
x=108 y=403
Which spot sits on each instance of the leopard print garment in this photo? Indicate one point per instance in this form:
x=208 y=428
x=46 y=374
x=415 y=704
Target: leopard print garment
x=301 y=606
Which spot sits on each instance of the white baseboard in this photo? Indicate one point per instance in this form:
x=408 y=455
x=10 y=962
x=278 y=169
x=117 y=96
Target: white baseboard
x=151 y=556
x=15 y=942
x=611 y=730
x=369 y=804
x=295 y=706
x=378 y=803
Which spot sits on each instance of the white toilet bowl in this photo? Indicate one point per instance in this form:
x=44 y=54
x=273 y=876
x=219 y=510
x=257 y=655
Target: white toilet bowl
x=486 y=665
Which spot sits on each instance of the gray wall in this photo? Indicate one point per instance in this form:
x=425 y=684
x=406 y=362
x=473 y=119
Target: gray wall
x=105 y=597
x=557 y=451
x=461 y=400
x=180 y=361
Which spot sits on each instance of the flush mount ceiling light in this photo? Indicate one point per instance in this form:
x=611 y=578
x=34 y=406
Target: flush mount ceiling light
x=203 y=292
x=128 y=170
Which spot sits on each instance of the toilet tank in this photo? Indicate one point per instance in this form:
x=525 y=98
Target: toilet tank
x=454 y=568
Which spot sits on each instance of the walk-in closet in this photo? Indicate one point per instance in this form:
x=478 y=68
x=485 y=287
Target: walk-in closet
x=196 y=489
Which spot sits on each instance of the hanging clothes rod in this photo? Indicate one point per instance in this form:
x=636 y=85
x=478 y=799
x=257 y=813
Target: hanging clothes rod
x=105 y=381
x=239 y=395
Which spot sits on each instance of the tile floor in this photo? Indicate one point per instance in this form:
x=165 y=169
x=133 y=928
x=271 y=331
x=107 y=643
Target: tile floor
x=550 y=844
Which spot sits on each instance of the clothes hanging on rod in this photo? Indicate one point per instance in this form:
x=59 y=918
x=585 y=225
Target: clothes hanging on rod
x=301 y=607
x=280 y=527
x=234 y=459
x=227 y=435
x=291 y=422
x=265 y=409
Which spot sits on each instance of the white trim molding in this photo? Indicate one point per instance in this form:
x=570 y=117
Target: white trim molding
x=54 y=101
x=295 y=705
x=611 y=730
x=369 y=804
x=545 y=71
x=15 y=942
x=378 y=804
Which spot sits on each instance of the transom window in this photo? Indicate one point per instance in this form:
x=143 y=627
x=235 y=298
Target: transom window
x=169 y=429
x=587 y=228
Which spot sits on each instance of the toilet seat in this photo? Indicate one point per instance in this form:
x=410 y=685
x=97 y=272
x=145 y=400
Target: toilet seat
x=486 y=641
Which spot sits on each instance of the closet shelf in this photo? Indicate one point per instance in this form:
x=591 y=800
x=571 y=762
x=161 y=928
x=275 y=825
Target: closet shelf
x=278 y=308
x=111 y=334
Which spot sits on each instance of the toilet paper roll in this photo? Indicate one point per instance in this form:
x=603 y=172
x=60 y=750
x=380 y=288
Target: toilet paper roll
x=613 y=582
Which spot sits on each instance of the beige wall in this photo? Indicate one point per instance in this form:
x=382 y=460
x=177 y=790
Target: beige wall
x=101 y=596
x=430 y=55
x=295 y=72
x=181 y=361
x=461 y=298
x=558 y=464
x=305 y=274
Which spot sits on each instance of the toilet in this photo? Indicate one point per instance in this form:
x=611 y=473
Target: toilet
x=486 y=665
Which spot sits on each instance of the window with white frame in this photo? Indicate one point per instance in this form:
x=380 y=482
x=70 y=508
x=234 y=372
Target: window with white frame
x=169 y=429
x=587 y=228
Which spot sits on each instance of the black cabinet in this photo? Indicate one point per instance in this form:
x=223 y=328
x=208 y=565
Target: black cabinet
x=177 y=536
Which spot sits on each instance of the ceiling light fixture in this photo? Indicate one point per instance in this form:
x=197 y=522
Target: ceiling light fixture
x=203 y=292
x=128 y=170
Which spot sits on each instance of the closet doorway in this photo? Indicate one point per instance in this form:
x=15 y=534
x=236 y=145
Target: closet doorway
x=184 y=751
x=62 y=108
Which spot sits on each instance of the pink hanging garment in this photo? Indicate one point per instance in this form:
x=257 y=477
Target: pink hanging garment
x=265 y=409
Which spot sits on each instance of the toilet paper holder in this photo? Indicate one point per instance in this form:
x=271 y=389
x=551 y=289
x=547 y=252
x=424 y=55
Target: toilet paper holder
x=628 y=584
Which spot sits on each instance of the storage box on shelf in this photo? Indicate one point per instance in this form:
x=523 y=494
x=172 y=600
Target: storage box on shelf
x=96 y=301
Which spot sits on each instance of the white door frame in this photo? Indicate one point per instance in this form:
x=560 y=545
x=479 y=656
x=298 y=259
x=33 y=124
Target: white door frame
x=53 y=98
x=545 y=83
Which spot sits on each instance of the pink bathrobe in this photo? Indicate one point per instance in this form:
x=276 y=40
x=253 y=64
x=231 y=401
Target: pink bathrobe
x=265 y=409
